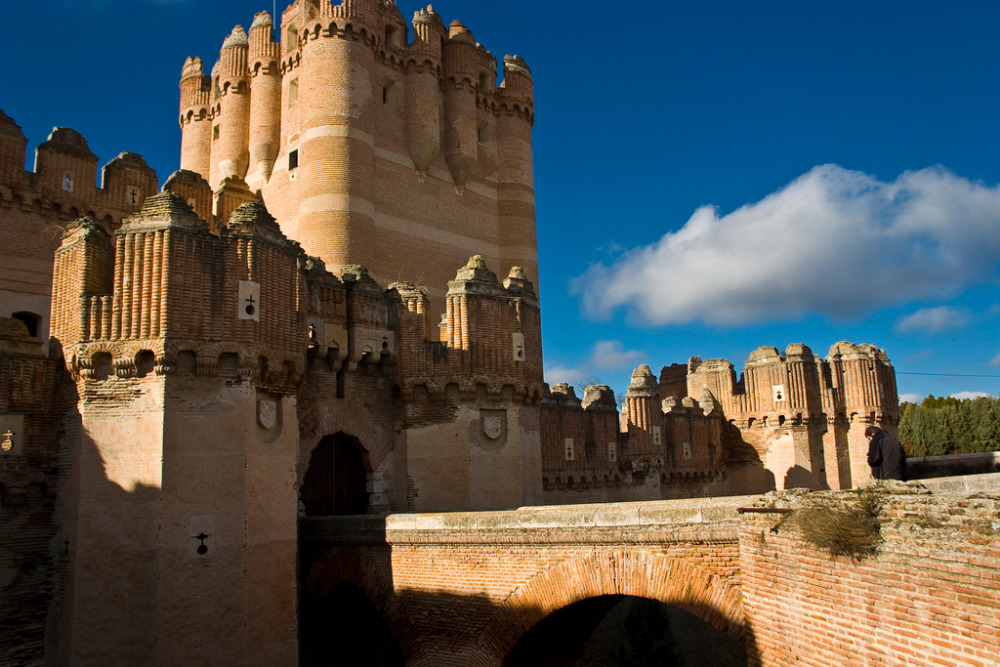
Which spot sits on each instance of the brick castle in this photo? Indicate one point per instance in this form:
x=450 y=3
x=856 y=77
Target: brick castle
x=306 y=321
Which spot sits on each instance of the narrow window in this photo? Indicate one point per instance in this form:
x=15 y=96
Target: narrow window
x=293 y=159
x=568 y=444
x=390 y=94
x=293 y=92
x=67 y=181
x=215 y=132
x=291 y=39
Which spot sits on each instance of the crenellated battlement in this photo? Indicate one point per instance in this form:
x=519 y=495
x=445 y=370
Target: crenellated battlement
x=35 y=206
x=854 y=382
x=790 y=420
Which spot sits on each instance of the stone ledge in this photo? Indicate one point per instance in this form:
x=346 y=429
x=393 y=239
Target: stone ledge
x=654 y=513
x=964 y=484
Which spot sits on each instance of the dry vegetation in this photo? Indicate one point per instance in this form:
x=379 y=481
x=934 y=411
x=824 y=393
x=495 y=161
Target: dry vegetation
x=843 y=524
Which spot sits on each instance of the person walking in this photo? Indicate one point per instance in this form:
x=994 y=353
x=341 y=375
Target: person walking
x=886 y=455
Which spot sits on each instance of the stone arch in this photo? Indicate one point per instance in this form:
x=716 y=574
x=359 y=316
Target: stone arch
x=342 y=416
x=618 y=572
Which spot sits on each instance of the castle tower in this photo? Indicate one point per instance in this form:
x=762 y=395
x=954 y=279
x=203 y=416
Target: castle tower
x=265 y=97
x=196 y=118
x=486 y=373
x=336 y=171
x=865 y=386
x=423 y=112
x=642 y=411
x=516 y=175
x=405 y=158
x=185 y=518
x=230 y=155
x=461 y=130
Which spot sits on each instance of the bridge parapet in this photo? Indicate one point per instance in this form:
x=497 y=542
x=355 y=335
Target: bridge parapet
x=658 y=522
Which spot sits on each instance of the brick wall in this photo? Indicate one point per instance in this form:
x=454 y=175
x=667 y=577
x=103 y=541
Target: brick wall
x=32 y=550
x=931 y=596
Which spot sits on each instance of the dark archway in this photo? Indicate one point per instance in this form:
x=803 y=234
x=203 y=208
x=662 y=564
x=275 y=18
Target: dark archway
x=335 y=483
x=31 y=321
x=620 y=630
x=345 y=628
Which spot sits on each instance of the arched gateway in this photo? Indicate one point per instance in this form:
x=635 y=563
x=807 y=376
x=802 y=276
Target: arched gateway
x=335 y=482
x=633 y=573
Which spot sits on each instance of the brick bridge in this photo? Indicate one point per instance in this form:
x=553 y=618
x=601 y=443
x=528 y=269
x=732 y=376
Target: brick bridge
x=471 y=588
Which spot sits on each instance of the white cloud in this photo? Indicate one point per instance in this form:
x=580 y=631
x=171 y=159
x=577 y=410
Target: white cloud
x=569 y=375
x=934 y=320
x=833 y=242
x=995 y=361
x=962 y=395
x=610 y=355
x=911 y=398
x=605 y=356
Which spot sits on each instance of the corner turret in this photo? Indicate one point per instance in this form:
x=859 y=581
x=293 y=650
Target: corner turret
x=65 y=163
x=461 y=128
x=265 y=97
x=196 y=117
x=230 y=150
x=13 y=145
x=423 y=112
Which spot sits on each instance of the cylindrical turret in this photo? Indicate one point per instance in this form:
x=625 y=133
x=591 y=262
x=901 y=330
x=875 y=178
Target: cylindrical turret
x=515 y=171
x=265 y=97
x=230 y=150
x=423 y=106
x=461 y=137
x=336 y=155
x=803 y=383
x=642 y=406
x=196 y=121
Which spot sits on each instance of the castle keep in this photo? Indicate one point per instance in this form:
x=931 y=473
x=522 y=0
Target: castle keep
x=402 y=156
x=330 y=309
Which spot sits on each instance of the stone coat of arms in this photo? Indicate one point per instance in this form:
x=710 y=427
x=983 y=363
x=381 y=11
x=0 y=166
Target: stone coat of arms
x=267 y=412
x=492 y=428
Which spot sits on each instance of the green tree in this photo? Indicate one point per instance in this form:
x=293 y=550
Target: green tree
x=947 y=425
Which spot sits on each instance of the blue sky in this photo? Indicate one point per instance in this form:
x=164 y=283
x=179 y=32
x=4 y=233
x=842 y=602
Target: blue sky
x=711 y=176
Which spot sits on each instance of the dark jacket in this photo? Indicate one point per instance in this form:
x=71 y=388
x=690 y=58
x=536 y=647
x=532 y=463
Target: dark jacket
x=886 y=457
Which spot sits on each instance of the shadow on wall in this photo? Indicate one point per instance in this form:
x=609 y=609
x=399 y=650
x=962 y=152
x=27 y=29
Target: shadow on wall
x=51 y=551
x=798 y=477
x=351 y=614
x=743 y=464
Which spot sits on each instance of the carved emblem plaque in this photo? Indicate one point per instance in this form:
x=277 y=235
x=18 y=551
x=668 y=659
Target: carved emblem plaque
x=267 y=412
x=492 y=429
